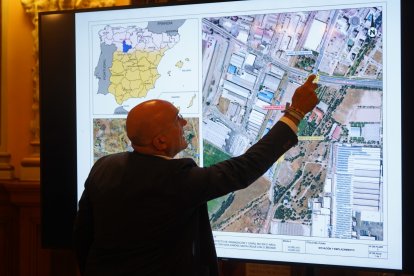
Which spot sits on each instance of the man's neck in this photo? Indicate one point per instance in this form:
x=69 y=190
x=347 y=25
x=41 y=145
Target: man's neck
x=150 y=151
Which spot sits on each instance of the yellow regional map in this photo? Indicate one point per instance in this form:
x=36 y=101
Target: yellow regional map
x=129 y=58
x=133 y=75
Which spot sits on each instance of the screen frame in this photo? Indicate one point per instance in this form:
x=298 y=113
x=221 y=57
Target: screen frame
x=58 y=131
x=57 y=103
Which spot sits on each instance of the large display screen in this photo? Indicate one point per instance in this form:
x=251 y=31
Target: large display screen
x=230 y=68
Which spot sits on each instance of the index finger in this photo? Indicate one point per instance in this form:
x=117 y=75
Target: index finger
x=310 y=79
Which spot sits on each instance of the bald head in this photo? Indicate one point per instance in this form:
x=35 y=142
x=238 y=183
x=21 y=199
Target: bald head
x=155 y=127
x=147 y=119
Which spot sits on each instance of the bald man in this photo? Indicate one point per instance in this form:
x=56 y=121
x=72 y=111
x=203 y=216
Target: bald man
x=145 y=213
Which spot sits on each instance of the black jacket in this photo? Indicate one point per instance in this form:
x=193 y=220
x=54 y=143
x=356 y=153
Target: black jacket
x=146 y=215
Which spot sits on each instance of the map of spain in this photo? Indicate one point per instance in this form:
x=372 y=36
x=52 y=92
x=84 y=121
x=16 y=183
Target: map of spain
x=129 y=58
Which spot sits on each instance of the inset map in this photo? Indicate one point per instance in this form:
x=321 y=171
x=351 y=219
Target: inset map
x=140 y=61
x=110 y=137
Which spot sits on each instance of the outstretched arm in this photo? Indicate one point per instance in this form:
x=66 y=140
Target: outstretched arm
x=239 y=172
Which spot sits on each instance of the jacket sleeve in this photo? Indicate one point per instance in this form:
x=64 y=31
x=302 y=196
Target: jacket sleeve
x=239 y=172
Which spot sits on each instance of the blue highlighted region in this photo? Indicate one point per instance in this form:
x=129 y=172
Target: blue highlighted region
x=125 y=47
x=232 y=69
x=266 y=96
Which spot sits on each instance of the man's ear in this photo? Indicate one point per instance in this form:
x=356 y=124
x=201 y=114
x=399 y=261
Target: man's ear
x=160 y=142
